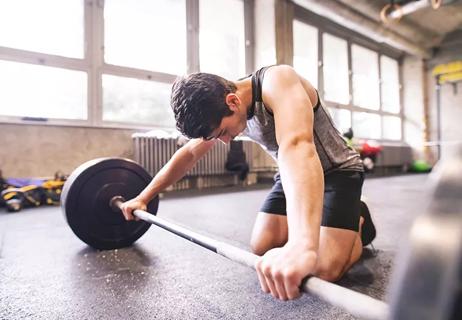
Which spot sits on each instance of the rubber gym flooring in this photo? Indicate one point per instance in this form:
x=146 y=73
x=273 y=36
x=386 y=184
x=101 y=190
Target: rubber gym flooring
x=47 y=273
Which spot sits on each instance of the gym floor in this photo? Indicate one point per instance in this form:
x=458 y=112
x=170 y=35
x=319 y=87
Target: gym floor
x=48 y=273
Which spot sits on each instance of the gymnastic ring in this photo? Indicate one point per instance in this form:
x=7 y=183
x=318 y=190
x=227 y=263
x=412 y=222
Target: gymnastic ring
x=387 y=9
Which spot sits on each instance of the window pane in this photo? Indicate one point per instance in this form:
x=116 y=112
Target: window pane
x=36 y=91
x=365 y=78
x=391 y=128
x=390 y=84
x=342 y=118
x=137 y=101
x=366 y=125
x=147 y=35
x=222 y=37
x=335 y=58
x=48 y=26
x=306 y=51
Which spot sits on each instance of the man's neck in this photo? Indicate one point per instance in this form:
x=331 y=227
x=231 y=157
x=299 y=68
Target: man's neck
x=244 y=91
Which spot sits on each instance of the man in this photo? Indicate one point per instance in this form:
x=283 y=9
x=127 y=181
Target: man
x=310 y=222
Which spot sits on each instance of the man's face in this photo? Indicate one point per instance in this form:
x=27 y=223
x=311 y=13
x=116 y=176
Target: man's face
x=230 y=127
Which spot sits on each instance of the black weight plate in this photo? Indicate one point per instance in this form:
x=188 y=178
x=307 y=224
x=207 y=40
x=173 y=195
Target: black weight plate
x=85 y=202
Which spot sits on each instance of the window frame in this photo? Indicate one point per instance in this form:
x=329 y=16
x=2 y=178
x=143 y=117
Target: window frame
x=94 y=65
x=352 y=37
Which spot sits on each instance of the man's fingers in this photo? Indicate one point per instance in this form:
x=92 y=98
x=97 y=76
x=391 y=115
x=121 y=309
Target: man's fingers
x=279 y=285
x=293 y=291
x=291 y=286
x=127 y=212
x=261 y=277
x=269 y=280
x=263 y=285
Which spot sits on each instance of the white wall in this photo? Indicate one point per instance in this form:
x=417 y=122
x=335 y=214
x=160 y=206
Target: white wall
x=451 y=114
x=413 y=103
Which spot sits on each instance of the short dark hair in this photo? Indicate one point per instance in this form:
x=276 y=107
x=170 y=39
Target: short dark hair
x=198 y=102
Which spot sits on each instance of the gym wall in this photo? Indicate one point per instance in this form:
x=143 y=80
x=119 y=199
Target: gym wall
x=40 y=151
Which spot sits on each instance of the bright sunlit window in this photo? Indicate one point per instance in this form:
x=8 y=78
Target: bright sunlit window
x=342 y=118
x=306 y=51
x=47 y=26
x=390 y=84
x=336 y=78
x=222 y=37
x=391 y=128
x=366 y=89
x=367 y=125
x=137 y=101
x=146 y=34
x=36 y=91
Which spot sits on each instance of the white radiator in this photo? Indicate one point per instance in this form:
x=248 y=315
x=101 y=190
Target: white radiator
x=153 y=152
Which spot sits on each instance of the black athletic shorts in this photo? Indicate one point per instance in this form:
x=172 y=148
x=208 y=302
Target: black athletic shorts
x=342 y=194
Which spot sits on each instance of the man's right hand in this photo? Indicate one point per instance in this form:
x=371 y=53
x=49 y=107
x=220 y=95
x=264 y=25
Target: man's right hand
x=129 y=206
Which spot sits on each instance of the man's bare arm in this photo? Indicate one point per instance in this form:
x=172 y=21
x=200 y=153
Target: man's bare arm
x=299 y=164
x=181 y=162
x=176 y=168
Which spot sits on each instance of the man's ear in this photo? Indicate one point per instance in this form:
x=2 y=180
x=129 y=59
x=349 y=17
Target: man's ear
x=233 y=101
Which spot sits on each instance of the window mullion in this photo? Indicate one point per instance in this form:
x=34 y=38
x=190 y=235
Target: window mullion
x=94 y=44
x=249 y=24
x=192 y=31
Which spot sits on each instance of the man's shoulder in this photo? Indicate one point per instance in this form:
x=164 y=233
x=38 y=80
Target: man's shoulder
x=279 y=75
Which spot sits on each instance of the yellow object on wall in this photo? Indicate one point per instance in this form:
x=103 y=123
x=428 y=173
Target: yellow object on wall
x=449 y=72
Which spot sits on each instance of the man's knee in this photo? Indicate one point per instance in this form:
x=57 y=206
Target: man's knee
x=259 y=245
x=331 y=270
x=269 y=231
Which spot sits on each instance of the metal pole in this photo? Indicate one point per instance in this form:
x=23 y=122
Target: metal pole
x=357 y=304
x=438 y=114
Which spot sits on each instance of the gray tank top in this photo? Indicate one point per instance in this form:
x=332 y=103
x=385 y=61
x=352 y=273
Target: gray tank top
x=330 y=145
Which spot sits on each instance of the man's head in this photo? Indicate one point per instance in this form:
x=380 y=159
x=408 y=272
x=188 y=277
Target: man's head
x=199 y=103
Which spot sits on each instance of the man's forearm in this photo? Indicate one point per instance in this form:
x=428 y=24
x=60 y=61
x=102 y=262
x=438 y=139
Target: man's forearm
x=303 y=182
x=175 y=169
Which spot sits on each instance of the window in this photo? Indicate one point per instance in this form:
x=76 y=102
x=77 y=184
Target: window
x=29 y=90
x=147 y=35
x=342 y=118
x=306 y=51
x=366 y=125
x=391 y=128
x=390 y=84
x=112 y=62
x=336 y=78
x=137 y=101
x=47 y=26
x=222 y=37
x=372 y=105
x=365 y=64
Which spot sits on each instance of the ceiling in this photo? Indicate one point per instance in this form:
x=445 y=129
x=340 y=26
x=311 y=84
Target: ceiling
x=425 y=32
x=428 y=27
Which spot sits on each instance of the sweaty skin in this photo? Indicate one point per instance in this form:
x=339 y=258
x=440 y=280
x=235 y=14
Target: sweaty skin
x=290 y=98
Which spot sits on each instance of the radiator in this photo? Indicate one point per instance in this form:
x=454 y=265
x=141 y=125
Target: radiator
x=395 y=155
x=153 y=152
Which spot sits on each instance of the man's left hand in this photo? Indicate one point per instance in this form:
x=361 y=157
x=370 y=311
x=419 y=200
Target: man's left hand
x=281 y=270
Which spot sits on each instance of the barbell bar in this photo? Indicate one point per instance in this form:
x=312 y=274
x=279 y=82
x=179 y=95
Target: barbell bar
x=357 y=304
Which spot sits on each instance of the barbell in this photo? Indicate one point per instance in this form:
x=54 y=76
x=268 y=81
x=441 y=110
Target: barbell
x=91 y=200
